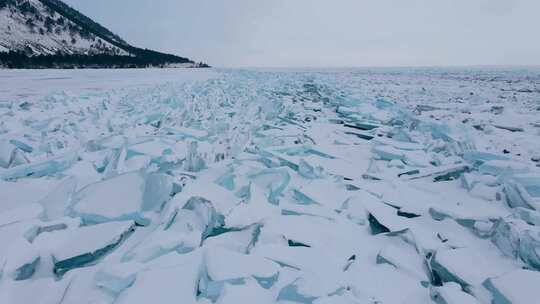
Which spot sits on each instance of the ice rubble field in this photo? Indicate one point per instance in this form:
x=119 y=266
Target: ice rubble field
x=263 y=186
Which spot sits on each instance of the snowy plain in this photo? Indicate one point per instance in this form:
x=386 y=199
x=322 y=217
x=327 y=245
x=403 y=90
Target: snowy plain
x=270 y=186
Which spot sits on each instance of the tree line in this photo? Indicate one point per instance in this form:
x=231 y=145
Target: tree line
x=19 y=60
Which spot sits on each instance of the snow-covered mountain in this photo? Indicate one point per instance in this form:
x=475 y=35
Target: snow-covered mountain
x=38 y=28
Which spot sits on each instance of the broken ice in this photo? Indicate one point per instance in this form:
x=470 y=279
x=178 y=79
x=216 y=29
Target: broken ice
x=262 y=186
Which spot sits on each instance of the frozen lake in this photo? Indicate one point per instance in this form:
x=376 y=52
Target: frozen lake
x=34 y=84
x=270 y=186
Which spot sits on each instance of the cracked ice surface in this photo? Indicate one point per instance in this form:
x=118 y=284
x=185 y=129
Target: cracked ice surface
x=270 y=186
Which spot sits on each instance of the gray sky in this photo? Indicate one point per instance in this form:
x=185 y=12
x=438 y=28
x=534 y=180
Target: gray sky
x=333 y=33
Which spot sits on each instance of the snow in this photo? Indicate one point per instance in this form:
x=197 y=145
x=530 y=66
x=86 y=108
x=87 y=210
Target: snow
x=265 y=186
x=25 y=212
x=118 y=277
x=451 y=293
x=47 y=290
x=250 y=292
x=22 y=192
x=239 y=266
x=166 y=284
x=34 y=85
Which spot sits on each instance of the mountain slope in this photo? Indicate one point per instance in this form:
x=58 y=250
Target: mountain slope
x=49 y=33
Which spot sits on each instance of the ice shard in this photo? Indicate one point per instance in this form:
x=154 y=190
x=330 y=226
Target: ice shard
x=42 y=168
x=85 y=246
x=6 y=154
x=517 y=239
x=262 y=186
x=516 y=287
x=204 y=209
x=467 y=268
x=193 y=162
x=275 y=181
x=58 y=200
x=22 y=260
x=124 y=197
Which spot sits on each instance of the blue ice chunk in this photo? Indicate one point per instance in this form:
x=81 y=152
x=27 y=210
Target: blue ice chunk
x=118 y=277
x=477 y=157
x=382 y=104
x=153 y=119
x=18 y=158
x=503 y=167
x=308 y=171
x=303 y=199
x=204 y=209
x=194 y=162
x=451 y=293
x=531 y=217
x=517 y=239
x=267 y=282
x=469 y=180
x=530 y=183
x=21 y=145
x=275 y=181
x=287 y=212
x=533 y=190
x=181 y=233
x=445 y=274
x=86 y=245
x=44 y=227
x=290 y=293
x=443 y=173
x=514 y=287
x=226 y=180
x=522 y=192
x=42 y=168
x=388 y=153
x=304 y=150
x=244 y=192
x=401 y=135
x=361 y=125
x=437 y=131
x=157 y=191
x=213 y=289
x=19 y=259
x=6 y=153
x=22 y=260
x=529 y=248
x=506 y=237
x=26 y=271
x=347 y=101
x=56 y=202
x=119 y=198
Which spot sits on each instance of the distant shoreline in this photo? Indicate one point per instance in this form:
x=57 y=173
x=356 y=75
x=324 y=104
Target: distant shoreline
x=19 y=60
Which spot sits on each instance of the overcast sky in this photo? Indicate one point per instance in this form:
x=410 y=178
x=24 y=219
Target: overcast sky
x=332 y=33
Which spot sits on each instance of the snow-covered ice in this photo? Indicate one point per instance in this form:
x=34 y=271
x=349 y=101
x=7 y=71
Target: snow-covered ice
x=270 y=186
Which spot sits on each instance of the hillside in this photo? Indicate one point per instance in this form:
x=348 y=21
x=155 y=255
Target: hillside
x=49 y=33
